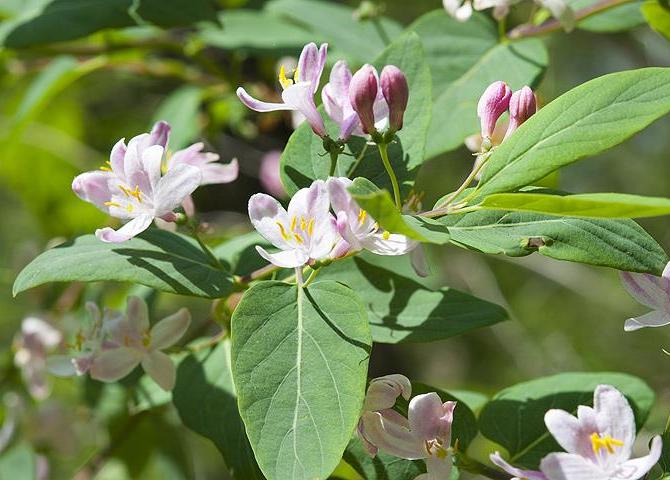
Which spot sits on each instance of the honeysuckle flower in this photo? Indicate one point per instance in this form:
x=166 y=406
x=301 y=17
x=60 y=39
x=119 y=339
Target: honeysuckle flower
x=424 y=434
x=518 y=473
x=367 y=100
x=396 y=93
x=304 y=234
x=298 y=91
x=211 y=170
x=598 y=442
x=492 y=104
x=34 y=341
x=335 y=97
x=132 y=341
x=131 y=186
x=461 y=10
x=268 y=174
x=651 y=291
x=358 y=229
x=522 y=106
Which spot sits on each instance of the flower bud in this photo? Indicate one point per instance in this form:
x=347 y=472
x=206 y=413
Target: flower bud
x=492 y=105
x=396 y=93
x=362 y=94
x=522 y=106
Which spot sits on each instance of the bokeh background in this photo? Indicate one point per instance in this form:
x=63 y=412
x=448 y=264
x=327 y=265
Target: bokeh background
x=564 y=316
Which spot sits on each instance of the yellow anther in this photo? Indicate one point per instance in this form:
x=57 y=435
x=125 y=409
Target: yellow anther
x=130 y=208
x=106 y=168
x=293 y=222
x=282 y=230
x=386 y=235
x=146 y=339
x=298 y=238
x=303 y=224
x=285 y=82
x=112 y=204
x=607 y=442
x=132 y=193
x=310 y=227
x=361 y=216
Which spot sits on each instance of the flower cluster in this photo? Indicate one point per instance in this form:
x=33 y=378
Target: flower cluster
x=598 y=443
x=143 y=182
x=115 y=343
x=360 y=104
x=307 y=232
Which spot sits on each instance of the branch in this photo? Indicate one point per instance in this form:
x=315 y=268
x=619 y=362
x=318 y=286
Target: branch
x=552 y=25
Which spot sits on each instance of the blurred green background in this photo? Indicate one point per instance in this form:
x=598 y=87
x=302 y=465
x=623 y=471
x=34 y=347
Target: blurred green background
x=59 y=118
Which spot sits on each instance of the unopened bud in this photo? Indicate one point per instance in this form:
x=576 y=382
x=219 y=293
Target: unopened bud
x=522 y=106
x=362 y=95
x=396 y=93
x=492 y=104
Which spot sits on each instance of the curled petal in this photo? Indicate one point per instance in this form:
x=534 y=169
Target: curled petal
x=383 y=392
x=117 y=158
x=639 y=467
x=649 y=290
x=286 y=258
x=159 y=366
x=258 y=105
x=136 y=226
x=392 y=437
x=214 y=173
x=497 y=460
x=169 y=330
x=656 y=318
x=112 y=365
x=160 y=133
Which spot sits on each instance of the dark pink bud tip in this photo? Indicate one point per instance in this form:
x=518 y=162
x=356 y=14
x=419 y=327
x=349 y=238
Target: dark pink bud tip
x=396 y=92
x=362 y=94
x=522 y=106
x=492 y=105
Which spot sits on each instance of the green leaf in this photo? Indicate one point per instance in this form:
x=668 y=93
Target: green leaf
x=620 y=244
x=380 y=206
x=239 y=254
x=401 y=310
x=335 y=24
x=383 y=466
x=658 y=17
x=18 y=462
x=664 y=461
x=162 y=260
x=585 y=121
x=464 y=59
x=299 y=361
x=600 y=205
x=207 y=404
x=61 y=20
x=180 y=109
x=256 y=30
x=304 y=159
x=514 y=418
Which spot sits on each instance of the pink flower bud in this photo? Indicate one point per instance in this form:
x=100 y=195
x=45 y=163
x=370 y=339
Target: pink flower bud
x=522 y=106
x=396 y=92
x=492 y=105
x=362 y=94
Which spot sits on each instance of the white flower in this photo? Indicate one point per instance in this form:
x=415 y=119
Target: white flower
x=651 y=291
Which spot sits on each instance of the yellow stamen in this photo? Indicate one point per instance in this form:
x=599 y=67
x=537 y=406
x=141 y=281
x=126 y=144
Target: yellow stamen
x=282 y=230
x=130 y=208
x=112 y=204
x=310 y=227
x=298 y=238
x=607 y=442
x=285 y=82
x=132 y=193
x=303 y=224
x=386 y=235
x=105 y=169
x=293 y=221
x=146 y=339
x=361 y=216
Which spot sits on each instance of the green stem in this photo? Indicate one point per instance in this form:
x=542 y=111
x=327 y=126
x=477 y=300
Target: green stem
x=383 y=152
x=212 y=258
x=381 y=31
x=333 y=162
x=312 y=276
x=466 y=183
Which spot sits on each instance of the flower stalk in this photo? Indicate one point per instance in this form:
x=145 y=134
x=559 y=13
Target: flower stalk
x=383 y=152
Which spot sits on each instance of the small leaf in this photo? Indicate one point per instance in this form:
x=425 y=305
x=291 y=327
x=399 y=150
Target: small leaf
x=383 y=466
x=514 y=418
x=401 y=310
x=585 y=121
x=162 y=260
x=600 y=205
x=620 y=244
x=299 y=362
x=207 y=404
x=464 y=59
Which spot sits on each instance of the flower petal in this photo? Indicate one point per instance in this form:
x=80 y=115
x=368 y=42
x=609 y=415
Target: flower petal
x=340 y=198
x=112 y=365
x=391 y=244
x=61 y=366
x=497 y=460
x=159 y=366
x=392 y=437
x=567 y=466
x=655 y=318
x=571 y=433
x=649 y=290
x=152 y=159
x=258 y=105
x=117 y=158
x=310 y=202
x=177 y=184
x=311 y=64
x=160 y=133
x=418 y=261
x=137 y=314
x=169 y=330
x=383 y=392
x=266 y=214
x=219 y=173
x=429 y=418
x=285 y=258
x=439 y=468
x=615 y=418
x=300 y=97
x=93 y=187
x=637 y=468
x=134 y=227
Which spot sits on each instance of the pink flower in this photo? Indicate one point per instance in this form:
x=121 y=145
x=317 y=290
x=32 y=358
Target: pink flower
x=522 y=106
x=651 y=291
